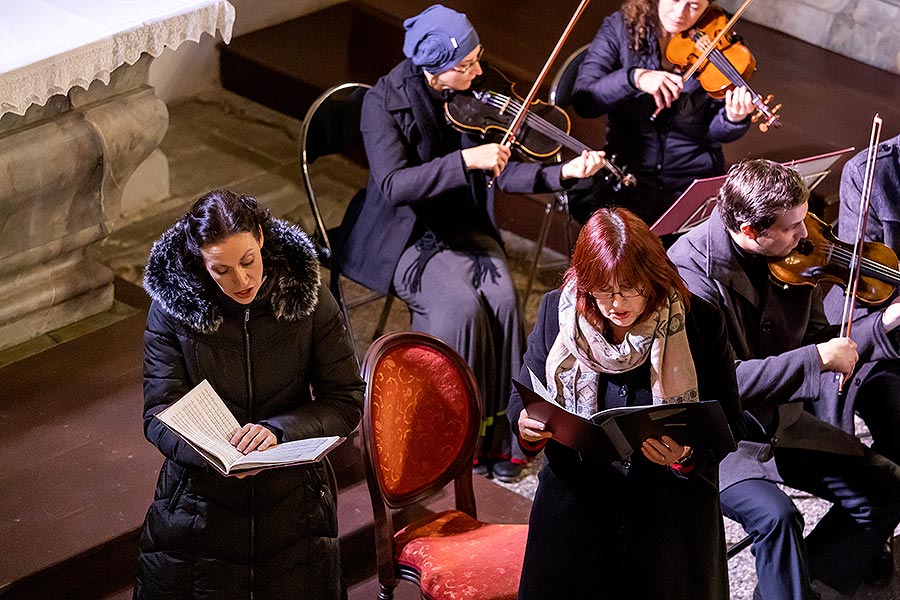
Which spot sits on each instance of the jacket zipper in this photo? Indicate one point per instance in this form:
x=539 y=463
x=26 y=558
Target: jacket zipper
x=252 y=479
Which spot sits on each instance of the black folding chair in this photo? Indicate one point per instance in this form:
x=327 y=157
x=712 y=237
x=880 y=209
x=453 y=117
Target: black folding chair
x=331 y=126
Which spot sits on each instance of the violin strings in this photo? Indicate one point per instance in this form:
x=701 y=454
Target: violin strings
x=873 y=265
x=548 y=129
x=847 y=257
x=891 y=275
x=724 y=65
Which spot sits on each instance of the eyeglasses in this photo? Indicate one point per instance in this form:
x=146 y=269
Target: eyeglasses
x=463 y=69
x=605 y=296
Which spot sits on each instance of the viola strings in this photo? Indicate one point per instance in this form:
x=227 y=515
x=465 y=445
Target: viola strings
x=543 y=126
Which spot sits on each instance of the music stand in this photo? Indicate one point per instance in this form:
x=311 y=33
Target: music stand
x=697 y=202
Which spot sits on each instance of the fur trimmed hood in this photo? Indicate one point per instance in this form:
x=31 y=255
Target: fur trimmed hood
x=184 y=290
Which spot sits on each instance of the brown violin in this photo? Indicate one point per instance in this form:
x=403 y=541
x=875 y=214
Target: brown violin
x=821 y=256
x=490 y=106
x=728 y=65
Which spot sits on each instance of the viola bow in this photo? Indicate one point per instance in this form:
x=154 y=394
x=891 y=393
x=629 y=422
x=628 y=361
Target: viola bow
x=510 y=135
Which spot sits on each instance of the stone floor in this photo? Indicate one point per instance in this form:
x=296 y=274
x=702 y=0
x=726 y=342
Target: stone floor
x=218 y=139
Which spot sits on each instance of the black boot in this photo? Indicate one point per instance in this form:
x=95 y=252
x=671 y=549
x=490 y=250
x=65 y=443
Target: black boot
x=507 y=471
x=882 y=569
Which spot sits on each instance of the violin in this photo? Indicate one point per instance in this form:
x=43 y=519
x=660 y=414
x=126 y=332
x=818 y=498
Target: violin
x=821 y=256
x=728 y=65
x=488 y=108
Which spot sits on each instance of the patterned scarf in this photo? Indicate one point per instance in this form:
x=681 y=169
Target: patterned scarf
x=580 y=353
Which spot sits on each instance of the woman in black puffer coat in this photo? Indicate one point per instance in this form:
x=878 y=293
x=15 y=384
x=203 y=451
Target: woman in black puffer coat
x=237 y=300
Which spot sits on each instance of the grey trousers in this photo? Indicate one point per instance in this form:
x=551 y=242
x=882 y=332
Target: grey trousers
x=479 y=319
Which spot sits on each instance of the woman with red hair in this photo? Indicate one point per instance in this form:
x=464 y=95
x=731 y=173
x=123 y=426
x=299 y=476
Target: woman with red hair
x=624 y=331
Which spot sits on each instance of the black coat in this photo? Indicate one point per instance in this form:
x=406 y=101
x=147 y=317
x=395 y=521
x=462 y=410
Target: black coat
x=778 y=369
x=685 y=141
x=417 y=182
x=284 y=361
x=646 y=531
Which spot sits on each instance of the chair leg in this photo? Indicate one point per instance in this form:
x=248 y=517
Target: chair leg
x=338 y=292
x=546 y=221
x=386 y=593
x=736 y=548
x=382 y=320
x=562 y=200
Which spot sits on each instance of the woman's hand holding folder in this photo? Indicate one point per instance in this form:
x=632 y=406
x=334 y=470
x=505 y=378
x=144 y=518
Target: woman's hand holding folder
x=531 y=430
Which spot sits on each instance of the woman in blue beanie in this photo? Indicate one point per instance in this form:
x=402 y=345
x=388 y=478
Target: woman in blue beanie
x=424 y=227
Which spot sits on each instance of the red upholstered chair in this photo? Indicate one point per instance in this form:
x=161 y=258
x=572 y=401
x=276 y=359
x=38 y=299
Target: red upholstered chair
x=420 y=427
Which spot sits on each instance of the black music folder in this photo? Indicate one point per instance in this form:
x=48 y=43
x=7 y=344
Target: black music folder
x=617 y=433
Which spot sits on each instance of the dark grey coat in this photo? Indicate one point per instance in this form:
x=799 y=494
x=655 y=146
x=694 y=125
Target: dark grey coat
x=685 y=141
x=883 y=221
x=284 y=361
x=591 y=522
x=778 y=368
x=414 y=184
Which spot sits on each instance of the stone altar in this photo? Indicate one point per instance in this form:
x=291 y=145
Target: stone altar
x=67 y=152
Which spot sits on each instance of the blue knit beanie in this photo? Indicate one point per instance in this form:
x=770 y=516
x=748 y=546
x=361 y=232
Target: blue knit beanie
x=438 y=38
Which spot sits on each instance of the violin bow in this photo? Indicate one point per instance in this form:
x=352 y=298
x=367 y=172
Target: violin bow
x=856 y=260
x=516 y=123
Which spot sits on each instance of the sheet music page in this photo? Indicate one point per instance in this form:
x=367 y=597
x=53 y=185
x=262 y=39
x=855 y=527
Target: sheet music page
x=202 y=418
x=297 y=451
x=538 y=387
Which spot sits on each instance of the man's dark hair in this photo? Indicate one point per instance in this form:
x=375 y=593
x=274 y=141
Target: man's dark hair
x=757 y=191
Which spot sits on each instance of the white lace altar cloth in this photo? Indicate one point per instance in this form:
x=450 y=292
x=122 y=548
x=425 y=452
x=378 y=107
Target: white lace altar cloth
x=48 y=47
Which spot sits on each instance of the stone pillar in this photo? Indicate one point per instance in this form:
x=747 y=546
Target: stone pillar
x=865 y=30
x=63 y=168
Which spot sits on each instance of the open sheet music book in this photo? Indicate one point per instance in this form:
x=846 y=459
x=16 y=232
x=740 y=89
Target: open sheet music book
x=617 y=433
x=201 y=419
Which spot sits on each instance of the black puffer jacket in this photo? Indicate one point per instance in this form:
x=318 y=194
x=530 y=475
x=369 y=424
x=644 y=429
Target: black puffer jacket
x=284 y=361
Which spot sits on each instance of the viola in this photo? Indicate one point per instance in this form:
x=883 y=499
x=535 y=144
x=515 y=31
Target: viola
x=489 y=107
x=821 y=256
x=728 y=65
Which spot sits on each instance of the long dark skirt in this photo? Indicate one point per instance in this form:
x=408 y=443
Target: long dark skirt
x=643 y=533
x=478 y=317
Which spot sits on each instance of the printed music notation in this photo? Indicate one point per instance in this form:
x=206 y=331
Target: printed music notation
x=201 y=418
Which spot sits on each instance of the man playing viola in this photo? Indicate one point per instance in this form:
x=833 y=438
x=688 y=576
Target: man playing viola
x=787 y=355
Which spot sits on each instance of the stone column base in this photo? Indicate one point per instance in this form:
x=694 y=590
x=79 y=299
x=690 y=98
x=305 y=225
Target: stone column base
x=63 y=169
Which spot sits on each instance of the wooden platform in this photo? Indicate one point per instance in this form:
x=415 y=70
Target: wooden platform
x=78 y=474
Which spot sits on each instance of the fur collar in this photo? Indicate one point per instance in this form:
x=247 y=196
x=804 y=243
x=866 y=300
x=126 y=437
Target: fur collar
x=183 y=288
